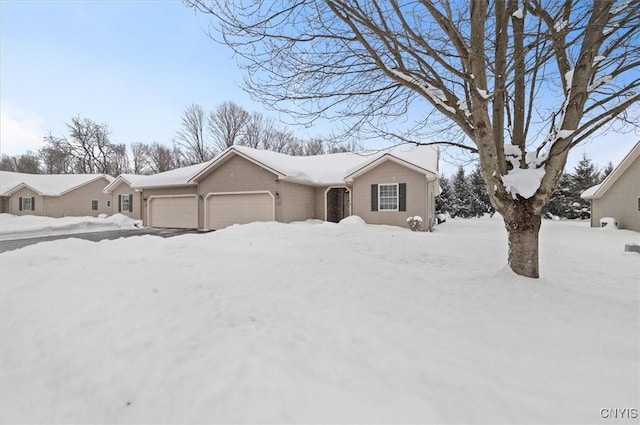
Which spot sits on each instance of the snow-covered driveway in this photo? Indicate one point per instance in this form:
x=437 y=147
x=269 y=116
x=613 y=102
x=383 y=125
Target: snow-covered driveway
x=319 y=322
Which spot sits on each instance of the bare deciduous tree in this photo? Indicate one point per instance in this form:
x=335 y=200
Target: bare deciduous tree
x=163 y=158
x=191 y=137
x=56 y=156
x=24 y=163
x=7 y=163
x=521 y=82
x=118 y=160
x=252 y=132
x=91 y=148
x=140 y=158
x=226 y=124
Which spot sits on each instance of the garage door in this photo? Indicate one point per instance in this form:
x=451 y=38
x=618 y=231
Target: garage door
x=225 y=209
x=175 y=212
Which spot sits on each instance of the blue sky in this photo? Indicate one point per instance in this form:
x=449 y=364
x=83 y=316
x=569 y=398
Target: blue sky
x=134 y=65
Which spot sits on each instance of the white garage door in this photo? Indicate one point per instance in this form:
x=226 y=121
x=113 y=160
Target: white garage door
x=225 y=209
x=175 y=212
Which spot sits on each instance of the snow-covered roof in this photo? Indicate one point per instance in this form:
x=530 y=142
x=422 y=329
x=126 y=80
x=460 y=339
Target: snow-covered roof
x=172 y=178
x=599 y=190
x=329 y=169
x=588 y=194
x=45 y=184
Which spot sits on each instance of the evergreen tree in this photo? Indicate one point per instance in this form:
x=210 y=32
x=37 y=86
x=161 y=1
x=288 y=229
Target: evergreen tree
x=606 y=171
x=480 y=203
x=445 y=199
x=560 y=203
x=585 y=175
x=461 y=200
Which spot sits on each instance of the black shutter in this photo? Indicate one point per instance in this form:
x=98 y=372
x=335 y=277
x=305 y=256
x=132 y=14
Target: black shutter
x=20 y=203
x=374 y=197
x=130 y=203
x=402 y=196
x=33 y=203
x=119 y=203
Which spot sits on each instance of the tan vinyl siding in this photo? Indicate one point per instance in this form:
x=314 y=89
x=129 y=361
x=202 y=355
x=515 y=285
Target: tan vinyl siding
x=4 y=204
x=139 y=198
x=621 y=200
x=124 y=189
x=78 y=202
x=14 y=202
x=75 y=203
x=390 y=172
x=298 y=202
x=320 y=202
x=240 y=175
x=431 y=204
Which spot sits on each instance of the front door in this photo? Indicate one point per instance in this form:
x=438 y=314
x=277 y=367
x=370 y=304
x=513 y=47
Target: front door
x=337 y=204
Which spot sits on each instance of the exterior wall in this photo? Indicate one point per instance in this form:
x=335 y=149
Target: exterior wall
x=298 y=202
x=431 y=204
x=78 y=202
x=148 y=193
x=14 y=202
x=320 y=202
x=125 y=189
x=390 y=172
x=241 y=175
x=620 y=201
x=4 y=204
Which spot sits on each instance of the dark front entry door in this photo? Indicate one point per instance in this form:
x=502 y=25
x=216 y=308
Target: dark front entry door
x=337 y=204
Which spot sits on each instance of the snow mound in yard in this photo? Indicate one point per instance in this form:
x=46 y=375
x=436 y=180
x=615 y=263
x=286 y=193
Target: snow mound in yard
x=353 y=220
x=29 y=226
x=277 y=323
x=608 y=223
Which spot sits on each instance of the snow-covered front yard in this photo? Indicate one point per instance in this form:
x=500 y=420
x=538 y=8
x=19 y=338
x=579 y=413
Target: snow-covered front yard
x=317 y=322
x=31 y=226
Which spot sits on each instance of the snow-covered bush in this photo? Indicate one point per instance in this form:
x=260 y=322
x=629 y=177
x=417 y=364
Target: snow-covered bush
x=415 y=223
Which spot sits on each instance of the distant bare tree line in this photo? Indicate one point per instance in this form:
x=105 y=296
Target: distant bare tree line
x=88 y=147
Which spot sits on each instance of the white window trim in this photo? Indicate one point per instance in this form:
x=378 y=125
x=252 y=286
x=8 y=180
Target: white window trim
x=25 y=199
x=397 y=208
x=122 y=201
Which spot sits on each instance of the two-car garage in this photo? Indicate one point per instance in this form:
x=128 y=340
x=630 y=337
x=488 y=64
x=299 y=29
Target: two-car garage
x=221 y=210
x=225 y=209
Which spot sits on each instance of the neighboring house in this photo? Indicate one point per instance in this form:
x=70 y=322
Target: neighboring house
x=618 y=196
x=54 y=195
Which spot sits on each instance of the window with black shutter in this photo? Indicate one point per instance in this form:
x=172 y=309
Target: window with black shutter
x=402 y=196
x=374 y=197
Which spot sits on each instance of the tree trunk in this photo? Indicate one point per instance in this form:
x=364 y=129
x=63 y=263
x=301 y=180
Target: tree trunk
x=523 y=227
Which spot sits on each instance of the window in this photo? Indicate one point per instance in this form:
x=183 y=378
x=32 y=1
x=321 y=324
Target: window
x=638 y=204
x=125 y=203
x=94 y=205
x=388 y=197
x=108 y=203
x=27 y=203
